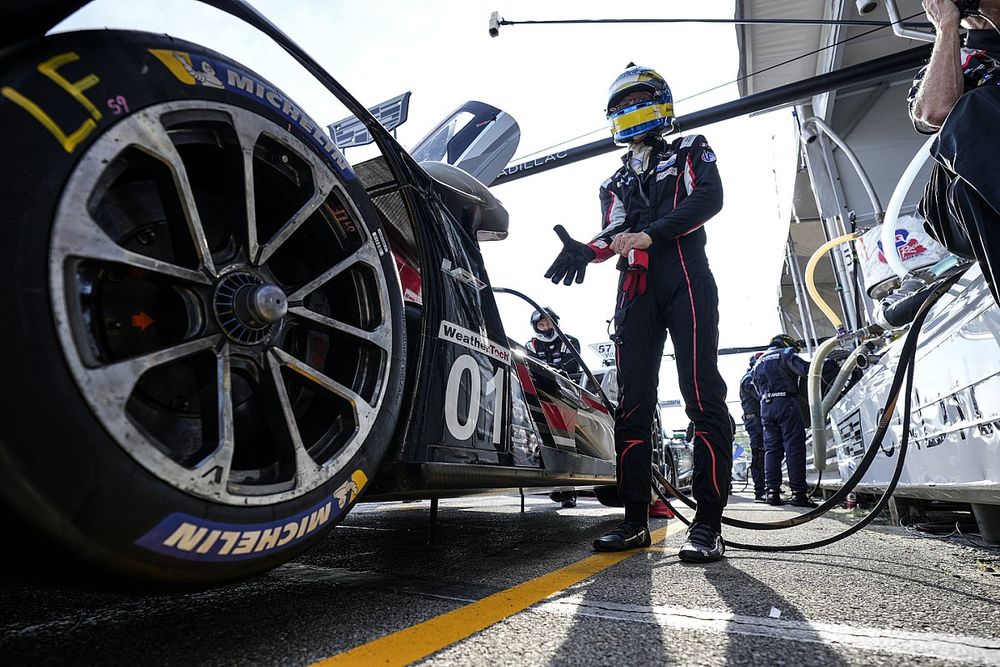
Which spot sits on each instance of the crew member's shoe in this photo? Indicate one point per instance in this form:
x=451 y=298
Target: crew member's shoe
x=569 y=503
x=759 y=497
x=626 y=535
x=661 y=510
x=801 y=499
x=774 y=497
x=704 y=545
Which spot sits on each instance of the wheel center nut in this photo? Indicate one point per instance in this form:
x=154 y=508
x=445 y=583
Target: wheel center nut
x=269 y=303
x=247 y=308
x=258 y=306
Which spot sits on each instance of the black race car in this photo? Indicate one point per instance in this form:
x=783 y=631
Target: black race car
x=220 y=334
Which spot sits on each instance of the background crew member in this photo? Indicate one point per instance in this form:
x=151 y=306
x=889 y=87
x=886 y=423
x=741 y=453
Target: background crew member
x=960 y=83
x=776 y=376
x=652 y=212
x=546 y=346
x=750 y=400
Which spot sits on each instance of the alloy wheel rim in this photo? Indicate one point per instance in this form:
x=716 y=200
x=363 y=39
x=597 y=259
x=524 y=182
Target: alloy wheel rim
x=264 y=321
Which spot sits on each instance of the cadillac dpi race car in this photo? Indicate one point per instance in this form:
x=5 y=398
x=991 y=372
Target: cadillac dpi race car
x=219 y=334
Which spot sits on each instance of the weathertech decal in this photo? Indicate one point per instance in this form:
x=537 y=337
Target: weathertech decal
x=192 y=538
x=473 y=341
x=196 y=70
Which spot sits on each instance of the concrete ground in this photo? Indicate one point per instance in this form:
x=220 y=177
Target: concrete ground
x=501 y=587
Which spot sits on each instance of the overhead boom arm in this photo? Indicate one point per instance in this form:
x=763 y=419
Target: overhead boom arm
x=877 y=68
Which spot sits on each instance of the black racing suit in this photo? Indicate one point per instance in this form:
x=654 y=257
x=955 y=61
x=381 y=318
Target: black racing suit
x=750 y=400
x=961 y=202
x=776 y=376
x=556 y=354
x=671 y=199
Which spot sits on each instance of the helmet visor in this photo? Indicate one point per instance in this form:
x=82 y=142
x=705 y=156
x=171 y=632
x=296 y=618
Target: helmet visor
x=641 y=118
x=631 y=99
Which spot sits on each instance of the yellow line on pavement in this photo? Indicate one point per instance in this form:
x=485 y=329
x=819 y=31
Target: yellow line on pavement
x=419 y=641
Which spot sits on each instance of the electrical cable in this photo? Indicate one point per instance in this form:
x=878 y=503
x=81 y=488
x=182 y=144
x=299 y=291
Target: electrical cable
x=557 y=145
x=745 y=76
x=773 y=21
x=990 y=21
x=907 y=352
x=955 y=536
x=586 y=369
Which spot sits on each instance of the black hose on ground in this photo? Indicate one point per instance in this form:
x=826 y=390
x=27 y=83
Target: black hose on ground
x=819 y=483
x=907 y=361
x=879 y=506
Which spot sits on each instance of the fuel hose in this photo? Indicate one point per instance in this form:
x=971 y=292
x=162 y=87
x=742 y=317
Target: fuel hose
x=907 y=361
x=903 y=373
x=811 y=278
x=867 y=519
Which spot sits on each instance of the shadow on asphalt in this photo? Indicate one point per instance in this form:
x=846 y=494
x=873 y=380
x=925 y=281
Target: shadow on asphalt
x=734 y=586
x=854 y=566
x=645 y=643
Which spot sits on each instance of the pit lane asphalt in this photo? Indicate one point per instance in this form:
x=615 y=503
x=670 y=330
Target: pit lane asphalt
x=883 y=596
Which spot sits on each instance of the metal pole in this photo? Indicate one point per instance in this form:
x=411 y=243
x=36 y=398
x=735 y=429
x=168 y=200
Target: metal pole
x=852 y=157
x=876 y=69
x=858 y=293
x=789 y=252
x=845 y=253
x=836 y=262
x=832 y=226
x=808 y=305
x=901 y=30
x=805 y=300
x=432 y=528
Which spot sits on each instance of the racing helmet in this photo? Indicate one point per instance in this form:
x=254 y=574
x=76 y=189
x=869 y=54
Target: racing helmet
x=784 y=340
x=537 y=317
x=655 y=115
x=754 y=357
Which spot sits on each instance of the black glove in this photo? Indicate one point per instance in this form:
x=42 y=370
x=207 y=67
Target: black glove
x=571 y=264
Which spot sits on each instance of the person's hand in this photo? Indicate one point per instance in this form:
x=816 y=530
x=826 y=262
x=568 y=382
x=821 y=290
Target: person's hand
x=626 y=241
x=571 y=263
x=942 y=13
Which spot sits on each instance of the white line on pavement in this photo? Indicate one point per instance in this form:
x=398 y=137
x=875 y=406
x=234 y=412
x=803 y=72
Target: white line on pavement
x=929 y=644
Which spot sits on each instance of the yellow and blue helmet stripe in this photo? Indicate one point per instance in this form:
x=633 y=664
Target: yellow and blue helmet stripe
x=655 y=115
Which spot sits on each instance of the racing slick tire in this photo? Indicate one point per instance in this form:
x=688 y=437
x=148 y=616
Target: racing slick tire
x=669 y=467
x=203 y=348
x=608 y=496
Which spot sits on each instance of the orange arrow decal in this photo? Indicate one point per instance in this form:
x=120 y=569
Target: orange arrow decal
x=141 y=321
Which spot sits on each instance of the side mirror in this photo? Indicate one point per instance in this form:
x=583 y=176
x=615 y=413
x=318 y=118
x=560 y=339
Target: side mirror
x=473 y=205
